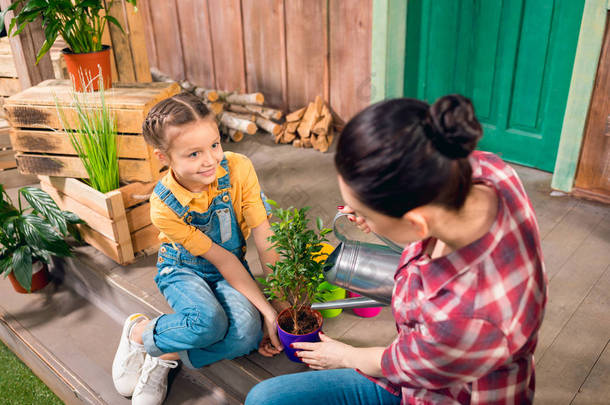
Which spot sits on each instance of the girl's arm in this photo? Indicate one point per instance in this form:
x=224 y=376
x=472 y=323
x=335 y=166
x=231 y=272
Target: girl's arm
x=265 y=253
x=236 y=274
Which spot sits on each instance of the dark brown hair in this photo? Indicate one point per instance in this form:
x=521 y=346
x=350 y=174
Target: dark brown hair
x=400 y=154
x=175 y=111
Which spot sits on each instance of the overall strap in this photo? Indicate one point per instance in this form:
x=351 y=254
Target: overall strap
x=224 y=182
x=168 y=199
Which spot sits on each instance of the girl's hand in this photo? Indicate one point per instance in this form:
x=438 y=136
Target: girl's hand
x=359 y=221
x=270 y=344
x=327 y=354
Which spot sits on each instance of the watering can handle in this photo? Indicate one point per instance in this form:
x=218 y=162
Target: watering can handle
x=342 y=237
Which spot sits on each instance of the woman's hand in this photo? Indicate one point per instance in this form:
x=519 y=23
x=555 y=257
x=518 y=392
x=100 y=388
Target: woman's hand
x=327 y=354
x=359 y=221
x=270 y=344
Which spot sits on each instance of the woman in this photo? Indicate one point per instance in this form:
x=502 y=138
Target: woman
x=470 y=289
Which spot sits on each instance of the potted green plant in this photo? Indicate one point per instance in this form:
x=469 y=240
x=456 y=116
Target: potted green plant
x=93 y=134
x=296 y=276
x=31 y=235
x=79 y=23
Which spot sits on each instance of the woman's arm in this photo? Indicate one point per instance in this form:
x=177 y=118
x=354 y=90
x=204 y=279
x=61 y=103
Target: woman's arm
x=330 y=353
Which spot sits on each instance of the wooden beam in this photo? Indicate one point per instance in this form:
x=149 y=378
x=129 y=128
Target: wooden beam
x=388 y=49
x=24 y=48
x=586 y=61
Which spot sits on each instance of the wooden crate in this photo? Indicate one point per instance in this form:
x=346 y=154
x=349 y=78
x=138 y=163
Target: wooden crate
x=43 y=149
x=118 y=222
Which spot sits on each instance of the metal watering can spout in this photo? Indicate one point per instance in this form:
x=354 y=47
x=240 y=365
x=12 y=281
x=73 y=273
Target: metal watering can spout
x=365 y=268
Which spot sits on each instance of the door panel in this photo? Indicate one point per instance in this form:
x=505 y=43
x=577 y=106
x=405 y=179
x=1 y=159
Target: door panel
x=513 y=58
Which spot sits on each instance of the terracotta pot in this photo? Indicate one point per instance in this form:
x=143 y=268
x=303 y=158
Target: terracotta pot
x=288 y=338
x=86 y=67
x=40 y=278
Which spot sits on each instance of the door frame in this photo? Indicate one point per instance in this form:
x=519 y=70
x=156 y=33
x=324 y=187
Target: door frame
x=388 y=71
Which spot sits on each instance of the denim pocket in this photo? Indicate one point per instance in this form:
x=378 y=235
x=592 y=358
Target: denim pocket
x=224 y=222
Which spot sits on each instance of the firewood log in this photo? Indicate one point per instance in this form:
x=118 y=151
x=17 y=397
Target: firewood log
x=265 y=112
x=268 y=126
x=323 y=125
x=234 y=98
x=236 y=136
x=289 y=136
x=216 y=107
x=292 y=126
x=248 y=117
x=159 y=76
x=309 y=119
x=210 y=95
x=297 y=143
x=238 y=108
x=238 y=124
x=187 y=86
x=296 y=115
x=307 y=142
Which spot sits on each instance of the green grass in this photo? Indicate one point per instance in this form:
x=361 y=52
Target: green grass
x=18 y=385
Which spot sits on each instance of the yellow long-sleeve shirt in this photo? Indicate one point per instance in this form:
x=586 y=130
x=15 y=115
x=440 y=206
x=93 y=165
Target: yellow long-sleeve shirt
x=245 y=195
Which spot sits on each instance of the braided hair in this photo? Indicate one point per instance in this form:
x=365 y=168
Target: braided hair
x=175 y=111
x=400 y=154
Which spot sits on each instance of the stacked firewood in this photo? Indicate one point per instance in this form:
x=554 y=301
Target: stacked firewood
x=308 y=127
x=236 y=114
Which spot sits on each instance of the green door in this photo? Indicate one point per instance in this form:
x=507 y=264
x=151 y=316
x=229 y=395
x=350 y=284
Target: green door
x=513 y=58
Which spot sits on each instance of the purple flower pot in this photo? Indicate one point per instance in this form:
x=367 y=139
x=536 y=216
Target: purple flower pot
x=288 y=338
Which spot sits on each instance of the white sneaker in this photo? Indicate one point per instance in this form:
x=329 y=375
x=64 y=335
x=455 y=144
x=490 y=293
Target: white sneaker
x=152 y=385
x=128 y=359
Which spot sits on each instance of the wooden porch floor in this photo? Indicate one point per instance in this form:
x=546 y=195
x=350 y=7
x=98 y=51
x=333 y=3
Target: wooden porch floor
x=572 y=359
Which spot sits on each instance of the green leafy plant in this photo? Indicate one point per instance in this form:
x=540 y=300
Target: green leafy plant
x=295 y=277
x=77 y=21
x=32 y=233
x=94 y=137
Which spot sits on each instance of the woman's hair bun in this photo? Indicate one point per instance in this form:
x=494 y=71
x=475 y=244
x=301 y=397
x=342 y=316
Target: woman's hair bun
x=452 y=126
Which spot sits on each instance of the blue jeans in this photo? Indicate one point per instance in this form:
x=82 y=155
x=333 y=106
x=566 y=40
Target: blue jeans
x=212 y=320
x=330 y=387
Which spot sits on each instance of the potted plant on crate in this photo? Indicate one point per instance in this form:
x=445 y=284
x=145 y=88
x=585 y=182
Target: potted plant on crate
x=31 y=235
x=296 y=276
x=80 y=23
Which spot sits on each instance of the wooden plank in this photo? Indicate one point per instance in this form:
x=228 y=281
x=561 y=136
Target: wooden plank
x=118 y=253
x=9 y=86
x=350 y=66
x=24 y=47
x=262 y=23
x=170 y=55
x=387 y=53
x=145 y=238
x=597 y=384
x=137 y=192
x=107 y=40
x=138 y=217
x=149 y=32
x=228 y=44
x=102 y=224
x=67 y=166
x=195 y=31
x=58 y=142
x=137 y=96
x=55 y=374
x=304 y=51
x=593 y=172
x=574 y=279
x=588 y=49
x=137 y=44
x=7 y=66
x=121 y=48
x=9 y=164
x=566 y=364
x=75 y=188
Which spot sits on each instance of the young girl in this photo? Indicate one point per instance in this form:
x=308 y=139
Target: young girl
x=470 y=288
x=205 y=208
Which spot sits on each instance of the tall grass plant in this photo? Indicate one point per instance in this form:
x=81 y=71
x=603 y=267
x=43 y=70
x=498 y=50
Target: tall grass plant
x=94 y=136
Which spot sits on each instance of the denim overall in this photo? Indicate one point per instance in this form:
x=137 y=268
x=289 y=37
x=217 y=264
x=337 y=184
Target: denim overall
x=212 y=320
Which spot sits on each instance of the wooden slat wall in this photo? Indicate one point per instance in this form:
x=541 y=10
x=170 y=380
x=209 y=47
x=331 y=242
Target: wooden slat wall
x=290 y=50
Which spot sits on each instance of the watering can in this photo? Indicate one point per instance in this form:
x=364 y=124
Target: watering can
x=364 y=268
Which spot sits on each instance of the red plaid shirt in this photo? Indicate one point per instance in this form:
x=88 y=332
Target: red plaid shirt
x=468 y=321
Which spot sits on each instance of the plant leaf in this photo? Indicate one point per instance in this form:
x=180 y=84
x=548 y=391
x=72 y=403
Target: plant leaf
x=41 y=202
x=22 y=266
